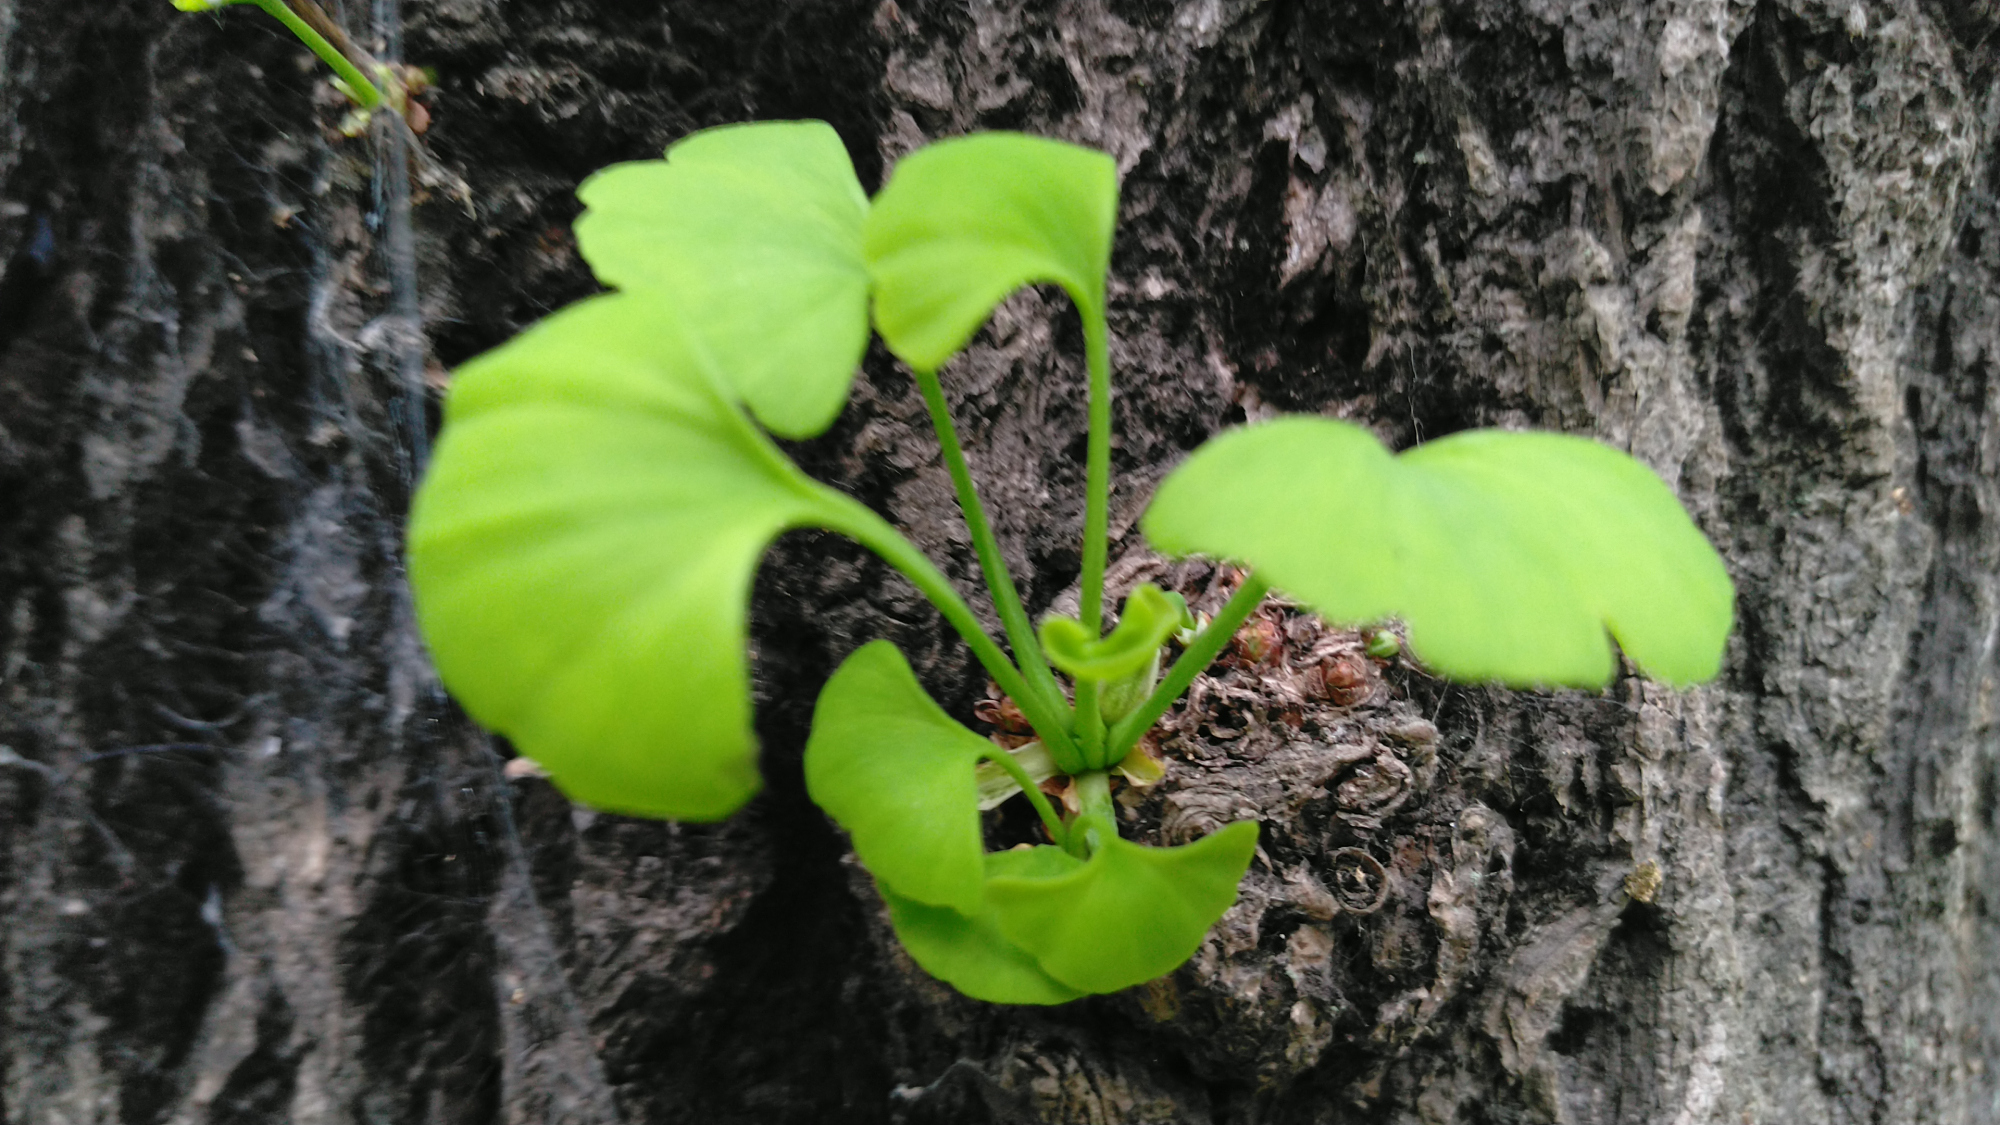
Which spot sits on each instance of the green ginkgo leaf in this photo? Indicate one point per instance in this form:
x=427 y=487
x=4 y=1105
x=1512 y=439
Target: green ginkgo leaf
x=1129 y=914
x=1508 y=555
x=900 y=776
x=752 y=235
x=581 y=554
x=969 y=952
x=962 y=223
x=1150 y=616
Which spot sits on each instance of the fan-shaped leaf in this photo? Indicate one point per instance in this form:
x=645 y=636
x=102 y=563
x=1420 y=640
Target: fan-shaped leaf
x=1129 y=914
x=751 y=234
x=962 y=223
x=581 y=554
x=901 y=776
x=969 y=952
x=1507 y=554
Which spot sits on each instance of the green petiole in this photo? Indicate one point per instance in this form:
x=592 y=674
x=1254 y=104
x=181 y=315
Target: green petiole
x=1097 y=470
x=876 y=534
x=1098 y=820
x=999 y=582
x=1050 y=821
x=1090 y=731
x=1090 y=723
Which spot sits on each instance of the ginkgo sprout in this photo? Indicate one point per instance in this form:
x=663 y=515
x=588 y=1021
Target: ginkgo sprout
x=604 y=487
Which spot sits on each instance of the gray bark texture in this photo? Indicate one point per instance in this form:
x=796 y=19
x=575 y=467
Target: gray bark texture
x=255 y=868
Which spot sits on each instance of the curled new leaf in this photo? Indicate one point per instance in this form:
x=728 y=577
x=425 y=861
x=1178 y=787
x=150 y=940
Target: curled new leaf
x=1508 y=555
x=900 y=775
x=1129 y=914
x=962 y=223
x=1151 y=615
x=581 y=553
x=752 y=235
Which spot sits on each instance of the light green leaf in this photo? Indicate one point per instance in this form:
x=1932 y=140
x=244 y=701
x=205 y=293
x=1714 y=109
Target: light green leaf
x=752 y=235
x=1150 y=616
x=962 y=223
x=1508 y=555
x=1129 y=914
x=900 y=776
x=968 y=951
x=581 y=554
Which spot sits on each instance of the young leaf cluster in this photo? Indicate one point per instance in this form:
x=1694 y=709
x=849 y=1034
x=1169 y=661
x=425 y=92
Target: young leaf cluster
x=583 y=547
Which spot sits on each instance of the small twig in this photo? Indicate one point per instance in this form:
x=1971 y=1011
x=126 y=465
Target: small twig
x=370 y=82
x=316 y=18
x=356 y=79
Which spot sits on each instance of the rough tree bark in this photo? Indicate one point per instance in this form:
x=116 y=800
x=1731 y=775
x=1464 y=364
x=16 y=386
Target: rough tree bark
x=254 y=869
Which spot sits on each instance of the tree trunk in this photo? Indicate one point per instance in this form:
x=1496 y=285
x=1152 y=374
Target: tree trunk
x=254 y=868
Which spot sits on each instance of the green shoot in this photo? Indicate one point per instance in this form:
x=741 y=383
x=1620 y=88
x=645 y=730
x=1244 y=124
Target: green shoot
x=583 y=547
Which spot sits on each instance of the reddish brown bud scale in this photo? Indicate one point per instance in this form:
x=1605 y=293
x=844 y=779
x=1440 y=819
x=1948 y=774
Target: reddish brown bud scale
x=1259 y=641
x=1347 y=678
x=1003 y=715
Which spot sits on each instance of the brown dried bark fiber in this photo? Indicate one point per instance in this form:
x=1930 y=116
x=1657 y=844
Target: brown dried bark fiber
x=254 y=869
